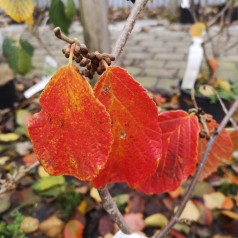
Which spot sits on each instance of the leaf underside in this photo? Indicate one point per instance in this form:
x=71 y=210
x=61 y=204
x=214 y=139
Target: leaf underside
x=180 y=140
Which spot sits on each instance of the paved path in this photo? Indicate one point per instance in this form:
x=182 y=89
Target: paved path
x=155 y=55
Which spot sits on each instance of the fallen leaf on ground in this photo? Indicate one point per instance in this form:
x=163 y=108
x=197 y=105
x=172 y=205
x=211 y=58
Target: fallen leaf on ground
x=231 y=214
x=135 y=221
x=156 y=220
x=82 y=207
x=52 y=227
x=190 y=212
x=176 y=193
x=8 y=137
x=30 y=159
x=42 y=173
x=29 y=224
x=136 y=204
x=73 y=229
x=228 y=203
x=214 y=200
x=206 y=216
x=48 y=182
x=95 y=195
x=106 y=225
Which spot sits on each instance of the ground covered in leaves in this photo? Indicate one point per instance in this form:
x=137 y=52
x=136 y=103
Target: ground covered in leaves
x=43 y=206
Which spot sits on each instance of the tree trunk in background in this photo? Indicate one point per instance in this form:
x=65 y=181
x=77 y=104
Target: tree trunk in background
x=173 y=8
x=94 y=18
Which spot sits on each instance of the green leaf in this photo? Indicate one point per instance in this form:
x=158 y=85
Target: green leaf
x=48 y=182
x=70 y=9
x=58 y=16
x=68 y=202
x=53 y=192
x=18 y=54
x=27 y=47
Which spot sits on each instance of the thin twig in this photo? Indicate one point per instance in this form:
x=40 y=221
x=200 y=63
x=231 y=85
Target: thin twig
x=192 y=11
x=231 y=46
x=110 y=206
x=129 y=25
x=225 y=109
x=59 y=34
x=38 y=37
x=219 y=14
x=188 y=194
x=10 y=184
x=201 y=117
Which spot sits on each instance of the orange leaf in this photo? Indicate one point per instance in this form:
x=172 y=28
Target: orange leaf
x=234 y=138
x=232 y=178
x=220 y=153
x=228 y=203
x=30 y=159
x=136 y=149
x=213 y=64
x=71 y=135
x=73 y=229
x=180 y=139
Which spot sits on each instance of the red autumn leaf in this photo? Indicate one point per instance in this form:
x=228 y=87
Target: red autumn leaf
x=71 y=135
x=136 y=149
x=221 y=152
x=73 y=229
x=180 y=140
x=135 y=221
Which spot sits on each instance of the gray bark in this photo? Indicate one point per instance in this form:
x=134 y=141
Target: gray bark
x=94 y=18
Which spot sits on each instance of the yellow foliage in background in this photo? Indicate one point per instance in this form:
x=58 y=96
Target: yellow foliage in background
x=197 y=29
x=19 y=11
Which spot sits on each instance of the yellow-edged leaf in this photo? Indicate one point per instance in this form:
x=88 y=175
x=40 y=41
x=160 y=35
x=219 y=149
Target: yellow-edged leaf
x=18 y=10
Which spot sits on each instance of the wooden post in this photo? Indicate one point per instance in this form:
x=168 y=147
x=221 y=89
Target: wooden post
x=94 y=18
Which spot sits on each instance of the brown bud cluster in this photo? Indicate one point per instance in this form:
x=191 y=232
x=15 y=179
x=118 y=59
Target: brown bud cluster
x=94 y=62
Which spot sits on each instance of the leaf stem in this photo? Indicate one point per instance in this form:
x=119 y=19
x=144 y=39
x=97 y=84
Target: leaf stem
x=71 y=54
x=191 y=187
x=10 y=184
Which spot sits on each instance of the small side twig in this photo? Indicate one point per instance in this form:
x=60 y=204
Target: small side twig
x=61 y=36
x=219 y=14
x=38 y=37
x=188 y=194
x=225 y=109
x=11 y=182
x=110 y=206
x=201 y=118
